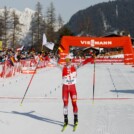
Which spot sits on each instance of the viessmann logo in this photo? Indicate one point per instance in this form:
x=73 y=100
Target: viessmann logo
x=93 y=43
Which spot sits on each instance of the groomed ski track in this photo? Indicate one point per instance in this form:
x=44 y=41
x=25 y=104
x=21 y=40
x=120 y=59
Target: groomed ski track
x=112 y=111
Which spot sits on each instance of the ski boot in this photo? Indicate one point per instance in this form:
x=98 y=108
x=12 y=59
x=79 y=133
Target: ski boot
x=65 y=119
x=65 y=122
x=75 y=122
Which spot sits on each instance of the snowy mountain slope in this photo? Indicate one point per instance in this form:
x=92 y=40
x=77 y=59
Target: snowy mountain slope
x=25 y=18
x=103 y=18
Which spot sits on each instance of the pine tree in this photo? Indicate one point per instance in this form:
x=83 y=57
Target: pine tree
x=51 y=22
x=60 y=22
x=1 y=27
x=37 y=28
x=15 y=28
x=6 y=21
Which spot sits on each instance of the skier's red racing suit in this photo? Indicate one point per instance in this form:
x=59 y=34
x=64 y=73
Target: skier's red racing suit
x=69 y=75
x=69 y=80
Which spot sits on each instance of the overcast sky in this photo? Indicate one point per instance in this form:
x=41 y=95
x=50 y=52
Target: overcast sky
x=66 y=8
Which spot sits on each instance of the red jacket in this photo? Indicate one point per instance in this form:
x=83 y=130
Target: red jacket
x=69 y=75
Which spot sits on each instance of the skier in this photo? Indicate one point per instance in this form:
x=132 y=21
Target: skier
x=69 y=75
x=69 y=88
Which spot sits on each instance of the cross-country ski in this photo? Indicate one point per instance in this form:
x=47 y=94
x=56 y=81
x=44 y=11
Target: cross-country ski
x=75 y=127
x=64 y=127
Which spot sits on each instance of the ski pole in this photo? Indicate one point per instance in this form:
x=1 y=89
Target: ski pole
x=29 y=83
x=94 y=80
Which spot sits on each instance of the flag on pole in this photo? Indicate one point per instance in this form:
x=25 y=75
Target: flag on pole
x=49 y=45
x=1 y=48
x=61 y=48
x=20 y=49
x=44 y=40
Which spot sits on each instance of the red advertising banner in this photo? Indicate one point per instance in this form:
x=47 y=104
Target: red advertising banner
x=99 y=42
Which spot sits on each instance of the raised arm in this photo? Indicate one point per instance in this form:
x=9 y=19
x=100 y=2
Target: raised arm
x=86 y=61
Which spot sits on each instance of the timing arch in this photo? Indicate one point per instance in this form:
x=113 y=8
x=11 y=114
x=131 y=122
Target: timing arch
x=99 y=42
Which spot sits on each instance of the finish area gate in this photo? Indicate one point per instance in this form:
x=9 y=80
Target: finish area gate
x=98 y=42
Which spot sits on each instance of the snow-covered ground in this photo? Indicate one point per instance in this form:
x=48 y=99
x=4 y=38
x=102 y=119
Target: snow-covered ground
x=42 y=111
